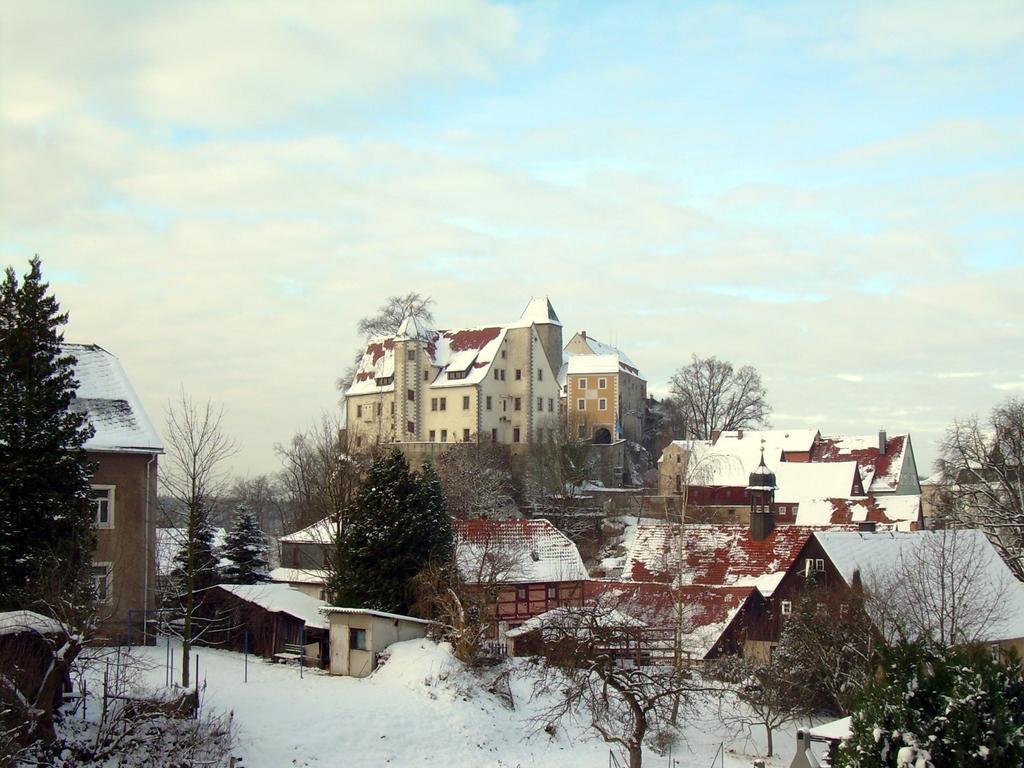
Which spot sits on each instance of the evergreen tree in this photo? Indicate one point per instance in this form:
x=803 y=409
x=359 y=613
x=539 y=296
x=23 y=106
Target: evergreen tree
x=246 y=548
x=197 y=536
x=46 y=527
x=938 y=707
x=398 y=526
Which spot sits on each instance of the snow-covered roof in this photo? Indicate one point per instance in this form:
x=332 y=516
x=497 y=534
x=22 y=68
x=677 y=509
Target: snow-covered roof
x=516 y=552
x=788 y=440
x=106 y=396
x=281 y=598
x=593 y=364
x=578 y=619
x=16 y=622
x=797 y=481
x=880 y=471
x=898 y=512
x=538 y=310
x=841 y=729
x=327 y=610
x=601 y=358
x=320 y=532
x=169 y=542
x=713 y=555
x=876 y=554
x=298 y=575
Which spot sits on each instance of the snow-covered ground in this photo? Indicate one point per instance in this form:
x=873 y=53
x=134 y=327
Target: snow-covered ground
x=422 y=708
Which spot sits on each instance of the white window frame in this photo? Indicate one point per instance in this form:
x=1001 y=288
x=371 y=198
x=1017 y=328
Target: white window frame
x=602 y=404
x=581 y=383
x=581 y=404
x=786 y=607
x=602 y=383
x=108 y=578
x=110 y=489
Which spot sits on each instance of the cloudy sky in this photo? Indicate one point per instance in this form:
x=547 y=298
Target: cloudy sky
x=832 y=192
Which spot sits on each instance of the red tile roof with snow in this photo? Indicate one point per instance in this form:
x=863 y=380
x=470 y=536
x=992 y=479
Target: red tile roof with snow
x=472 y=338
x=881 y=471
x=713 y=555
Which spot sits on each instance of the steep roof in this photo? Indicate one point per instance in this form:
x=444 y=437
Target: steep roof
x=880 y=471
x=713 y=555
x=788 y=440
x=876 y=554
x=281 y=598
x=516 y=551
x=538 y=310
x=106 y=396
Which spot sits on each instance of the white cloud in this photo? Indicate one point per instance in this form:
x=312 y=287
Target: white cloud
x=234 y=62
x=1009 y=386
x=851 y=377
x=959 y=375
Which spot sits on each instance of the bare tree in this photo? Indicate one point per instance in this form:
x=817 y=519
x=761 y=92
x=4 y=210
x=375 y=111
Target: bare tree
x=948 y=585
x=590 y=653
x=477 y=481
x=759 y=693
x=385 y=322
x=262 y=495
x=982 y=469
x=192 y=476
x=709 y=395
x=319 y=474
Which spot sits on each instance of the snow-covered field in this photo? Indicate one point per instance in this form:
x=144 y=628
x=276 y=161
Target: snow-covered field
x=422 y=708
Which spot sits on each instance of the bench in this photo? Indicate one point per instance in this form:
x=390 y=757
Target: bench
x=292 y=652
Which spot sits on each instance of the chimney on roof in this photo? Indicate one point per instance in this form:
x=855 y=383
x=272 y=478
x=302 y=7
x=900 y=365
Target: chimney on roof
x=584 y=335
x=715 y=434
x=739 y=434
x=882 y=441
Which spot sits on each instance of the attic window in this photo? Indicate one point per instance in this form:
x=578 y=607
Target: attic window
x=383 y=381
x=535 y=555
x=456 y=374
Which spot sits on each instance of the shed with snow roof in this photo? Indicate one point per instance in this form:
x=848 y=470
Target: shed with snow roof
x=359 y=635
x=274 y=616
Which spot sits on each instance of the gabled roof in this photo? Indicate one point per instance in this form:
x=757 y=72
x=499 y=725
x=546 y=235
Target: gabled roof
x=600 y=358
x=19 y=622
x=106 y=396
x=516 y=552
x=280 y=598
x=798 y=481
x=880 y=472
x=901 y=513
x=874 y=555
x=320 y=532
x=713 y=555
x=788 y=440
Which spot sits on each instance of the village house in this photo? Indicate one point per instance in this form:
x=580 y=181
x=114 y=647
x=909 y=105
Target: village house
x=530 y=566
x=603 y=392
x=821 y=480
x=124 y=448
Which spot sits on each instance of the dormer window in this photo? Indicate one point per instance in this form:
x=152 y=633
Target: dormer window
x=384 y=381
x=457 y=374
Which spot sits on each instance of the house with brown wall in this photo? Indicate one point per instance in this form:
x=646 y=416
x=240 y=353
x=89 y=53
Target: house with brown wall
x=124 y=449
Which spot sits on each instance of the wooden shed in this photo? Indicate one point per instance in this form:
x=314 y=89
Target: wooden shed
x=276 y=618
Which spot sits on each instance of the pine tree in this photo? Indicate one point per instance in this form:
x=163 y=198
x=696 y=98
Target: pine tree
x=199 y=533
x=246 y=548
x=939 y=707
x=397 y=527
x=46 y=529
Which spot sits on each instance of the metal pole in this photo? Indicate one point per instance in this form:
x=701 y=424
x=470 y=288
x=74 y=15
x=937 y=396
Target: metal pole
x=245 y=663
x=302 y=650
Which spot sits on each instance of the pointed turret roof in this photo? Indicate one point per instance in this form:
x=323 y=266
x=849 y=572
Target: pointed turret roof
x=539 y=311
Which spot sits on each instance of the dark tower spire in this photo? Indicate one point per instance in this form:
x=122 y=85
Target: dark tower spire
x=762 y=500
